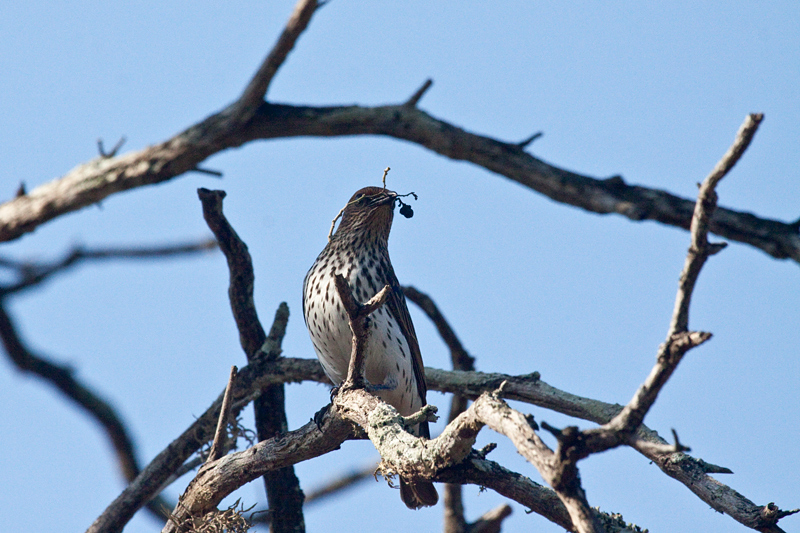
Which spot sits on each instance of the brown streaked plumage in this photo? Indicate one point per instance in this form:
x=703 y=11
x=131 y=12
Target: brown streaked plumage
x=359 y=251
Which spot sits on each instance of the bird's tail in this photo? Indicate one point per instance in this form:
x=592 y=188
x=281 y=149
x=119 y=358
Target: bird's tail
x=419 y=494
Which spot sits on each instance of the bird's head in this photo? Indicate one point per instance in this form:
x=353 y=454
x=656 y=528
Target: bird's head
x=370 y=210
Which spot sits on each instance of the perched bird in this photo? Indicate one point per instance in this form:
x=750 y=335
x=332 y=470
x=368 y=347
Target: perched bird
x=393 y=368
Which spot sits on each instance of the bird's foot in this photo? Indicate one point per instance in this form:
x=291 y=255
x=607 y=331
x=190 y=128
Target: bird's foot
x=334 y=392
x=319 y=416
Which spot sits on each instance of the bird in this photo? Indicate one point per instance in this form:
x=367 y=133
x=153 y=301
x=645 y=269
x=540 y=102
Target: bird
x=393 y=366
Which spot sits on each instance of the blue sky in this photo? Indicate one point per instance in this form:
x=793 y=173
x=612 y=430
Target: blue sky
x=652 y=91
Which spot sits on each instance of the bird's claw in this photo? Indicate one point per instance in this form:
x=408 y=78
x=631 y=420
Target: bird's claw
x=319 y=416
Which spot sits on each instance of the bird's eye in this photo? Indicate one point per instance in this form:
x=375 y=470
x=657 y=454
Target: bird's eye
x=360 y=196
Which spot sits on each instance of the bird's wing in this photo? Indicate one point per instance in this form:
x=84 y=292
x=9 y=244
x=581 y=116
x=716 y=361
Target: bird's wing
x=396 y=303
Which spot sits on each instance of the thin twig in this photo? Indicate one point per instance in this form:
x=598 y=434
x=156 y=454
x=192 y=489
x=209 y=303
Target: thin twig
x=341 y=484
x=217 y=448
x=30 y=273
x=679 y=338
x=385 y=172
x=207 y=171
x=526 y=142
x=114 y=150
x=337 y=486
x=333 y=222
x=704 y=209
x=356 y=316
x=418 y=94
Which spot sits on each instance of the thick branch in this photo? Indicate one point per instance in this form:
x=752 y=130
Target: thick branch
x=240 y=266
x=249 y=382
x=558 y=471
x=222 y=477
x=283 y=488
x=689 y=471
x=93 y=181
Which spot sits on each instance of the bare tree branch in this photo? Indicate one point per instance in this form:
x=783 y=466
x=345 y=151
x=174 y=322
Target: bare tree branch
x=356 y=315
x=250 y=380
x=283 y=488
x=689 y=471
x=30 y=273
x=62 y=377
x=419 y=93
x=491 y=521
x=412 y=457
x=459 y=356
x=97 y=179
x=255 y=91
x=454 y=519
x=341 y=483
x=704 y=209
x=218 y=445
x=679 y=339
x=218 y=479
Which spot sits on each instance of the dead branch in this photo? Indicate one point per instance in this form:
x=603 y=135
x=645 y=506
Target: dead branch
x=218 y=445
x=454 y=519
x=255 y=91
x=356 y=315
x=239 y=123
x=249 y=382
x=284 y=494
x=491 y=521
x=32 y=273
x=679 y=338
x=516 y=487
x=222 y=477
x=341 y=483
x=240 y=266
x=63 y=378
x=700 y=248
x=689 y=471
x=414 y=458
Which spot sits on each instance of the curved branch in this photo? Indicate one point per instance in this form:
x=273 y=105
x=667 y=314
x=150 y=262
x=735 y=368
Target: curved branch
x=63 y=379
x=99 y=178
x=218 y=479
x=688 y=470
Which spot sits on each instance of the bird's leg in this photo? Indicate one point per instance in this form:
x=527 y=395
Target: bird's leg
x=319 y=416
